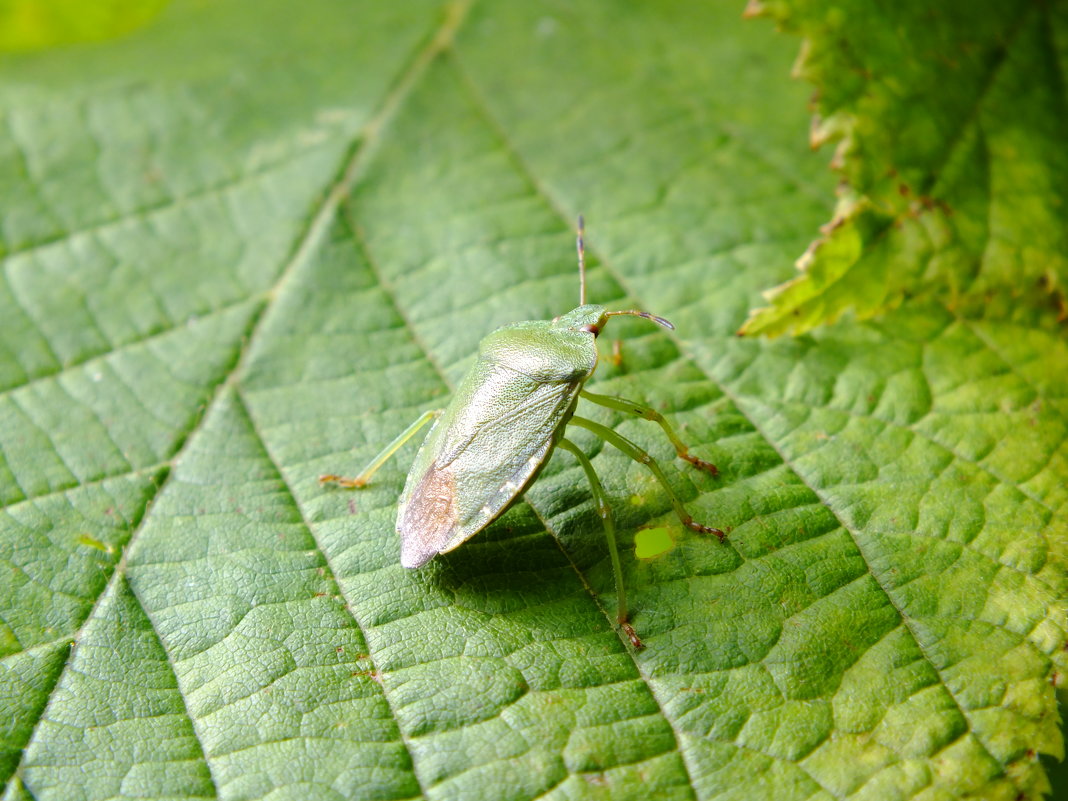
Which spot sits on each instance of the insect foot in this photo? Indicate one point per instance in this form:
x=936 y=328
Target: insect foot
x=632 y=635
x=690 y=523
x=339 y=481
x=700 y=463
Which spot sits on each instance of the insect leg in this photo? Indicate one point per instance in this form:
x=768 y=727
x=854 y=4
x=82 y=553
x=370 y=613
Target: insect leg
x=624 y=405
x=365 y=474
x=605 y=511
x=638 y=455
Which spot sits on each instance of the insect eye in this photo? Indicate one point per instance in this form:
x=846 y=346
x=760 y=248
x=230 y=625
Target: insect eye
x=590 y=329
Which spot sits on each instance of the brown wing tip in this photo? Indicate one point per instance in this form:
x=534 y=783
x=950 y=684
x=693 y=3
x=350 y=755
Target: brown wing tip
x=428 y=520
x=415 y=554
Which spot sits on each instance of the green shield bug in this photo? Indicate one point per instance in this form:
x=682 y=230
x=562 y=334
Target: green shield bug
x=502 y=424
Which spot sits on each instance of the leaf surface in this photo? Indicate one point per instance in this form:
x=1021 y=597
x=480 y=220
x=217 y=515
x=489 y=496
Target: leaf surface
x=229 y=274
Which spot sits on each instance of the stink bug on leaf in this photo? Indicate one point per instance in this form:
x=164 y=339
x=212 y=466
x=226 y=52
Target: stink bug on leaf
x=504 y=420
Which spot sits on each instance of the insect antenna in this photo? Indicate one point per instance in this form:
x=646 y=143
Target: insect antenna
x=580 y=245
x=635 y=313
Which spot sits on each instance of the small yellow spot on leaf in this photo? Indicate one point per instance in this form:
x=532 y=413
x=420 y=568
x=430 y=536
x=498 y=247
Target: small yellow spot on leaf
x=650 y=543
x=90 y=541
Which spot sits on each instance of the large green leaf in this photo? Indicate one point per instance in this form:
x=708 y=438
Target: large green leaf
x=248 y=244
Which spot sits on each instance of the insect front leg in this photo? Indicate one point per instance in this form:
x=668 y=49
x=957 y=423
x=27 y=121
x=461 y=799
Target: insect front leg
x=638 y=455
x=605 y=511
x=365 y=475
x=624 y=405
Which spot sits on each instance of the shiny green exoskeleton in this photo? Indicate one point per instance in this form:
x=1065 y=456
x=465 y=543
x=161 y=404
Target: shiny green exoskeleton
x=501 y=426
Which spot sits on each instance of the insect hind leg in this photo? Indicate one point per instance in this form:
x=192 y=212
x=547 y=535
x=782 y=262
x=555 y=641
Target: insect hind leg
x=364 y=475
x=638 y=455
x=649 y=413
x=605 y=511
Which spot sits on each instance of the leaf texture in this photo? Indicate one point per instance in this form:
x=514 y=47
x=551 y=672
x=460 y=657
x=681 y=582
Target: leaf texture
x=226 y=275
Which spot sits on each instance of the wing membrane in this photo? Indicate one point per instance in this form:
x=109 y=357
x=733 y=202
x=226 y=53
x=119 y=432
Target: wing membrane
x=489 y=444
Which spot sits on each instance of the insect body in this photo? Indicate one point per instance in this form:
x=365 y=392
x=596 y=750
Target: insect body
x=501 y=426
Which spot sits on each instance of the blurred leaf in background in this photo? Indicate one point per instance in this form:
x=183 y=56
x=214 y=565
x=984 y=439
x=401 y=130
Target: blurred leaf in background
x=249 y=242
x=34 y=24
x=950 y=125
